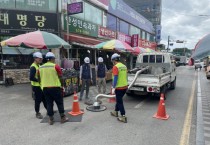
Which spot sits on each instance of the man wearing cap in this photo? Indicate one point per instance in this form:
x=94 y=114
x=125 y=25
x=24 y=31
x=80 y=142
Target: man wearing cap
x=101 y=75
x=39 y=96
x=85 y=77
x=119 y=86
x=50 y=75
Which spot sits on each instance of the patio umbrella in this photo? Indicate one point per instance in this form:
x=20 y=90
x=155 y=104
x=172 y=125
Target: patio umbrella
x=138 y=50
x=202 y=48
x=115 y=45
x=37 y=39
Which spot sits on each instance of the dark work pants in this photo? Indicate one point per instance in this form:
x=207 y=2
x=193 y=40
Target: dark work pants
x=85 y=82
x=51 y=95
x=119 y=101
x=39 y=97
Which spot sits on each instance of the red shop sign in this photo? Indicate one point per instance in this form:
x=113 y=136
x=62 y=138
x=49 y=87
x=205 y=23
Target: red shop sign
x=123 y=37
x=135 y=40
x=106 y=33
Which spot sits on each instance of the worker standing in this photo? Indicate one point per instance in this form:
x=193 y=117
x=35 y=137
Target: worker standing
x=50 y=75
x=85 y=78
x=101 y=75
x=119 y=86
x=39 y=96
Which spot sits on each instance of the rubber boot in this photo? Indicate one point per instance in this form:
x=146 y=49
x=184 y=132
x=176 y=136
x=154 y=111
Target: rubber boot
x=122 y=119
x=39 y=115
x=114 y=113
x=51 y=120
x=64 y=119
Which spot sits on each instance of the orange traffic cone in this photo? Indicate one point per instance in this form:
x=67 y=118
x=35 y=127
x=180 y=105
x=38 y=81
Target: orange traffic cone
x=75 y=109
x=112 y=100
x=161 y=112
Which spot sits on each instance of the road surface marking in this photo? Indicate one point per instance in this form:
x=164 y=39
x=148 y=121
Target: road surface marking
x=140 y=104
x=188 y=117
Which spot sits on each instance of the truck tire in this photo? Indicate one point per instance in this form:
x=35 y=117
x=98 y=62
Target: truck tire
x=129 y=93
x=173 y=85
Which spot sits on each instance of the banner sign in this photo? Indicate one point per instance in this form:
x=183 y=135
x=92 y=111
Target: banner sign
x=106 y=33
x=81 y=26
x=135 y=40
x=124 y=38
x=14 y=22
x=75 y=8
x=124 y=12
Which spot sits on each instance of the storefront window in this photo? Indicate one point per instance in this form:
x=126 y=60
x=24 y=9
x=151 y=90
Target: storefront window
x=90 y=14
x=111 y=22
x=124 y=27
x=143 y=35
x=93 y=14
x=7 y=4
x=30 y=5
x=134 y=30
x=148 y=37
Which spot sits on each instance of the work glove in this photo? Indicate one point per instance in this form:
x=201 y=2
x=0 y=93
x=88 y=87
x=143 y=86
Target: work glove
x=113 y=91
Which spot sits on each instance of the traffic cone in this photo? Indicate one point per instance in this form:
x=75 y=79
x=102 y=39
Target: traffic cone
x=112 y=100
x=161 y=112
x=75 y=109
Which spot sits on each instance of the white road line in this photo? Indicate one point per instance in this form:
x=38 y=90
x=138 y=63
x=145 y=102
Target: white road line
x=140 y=104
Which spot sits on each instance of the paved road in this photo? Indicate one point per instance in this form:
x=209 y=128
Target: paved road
x=20 y=127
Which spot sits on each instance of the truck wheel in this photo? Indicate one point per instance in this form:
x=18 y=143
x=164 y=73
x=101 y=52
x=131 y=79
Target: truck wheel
x=173 y=85
x=163 y=90
x=130 y=93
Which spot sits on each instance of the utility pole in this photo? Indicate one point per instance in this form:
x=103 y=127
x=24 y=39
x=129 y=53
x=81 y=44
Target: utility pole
x=168 y=43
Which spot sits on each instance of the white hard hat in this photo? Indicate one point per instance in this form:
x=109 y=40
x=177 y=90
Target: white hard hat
x=115 y=56
x=50 y=55
x=100 y=59
x=37 y=55
x=87 y=60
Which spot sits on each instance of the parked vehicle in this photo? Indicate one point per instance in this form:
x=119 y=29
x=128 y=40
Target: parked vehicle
x=197 y=64
x=160 y=75
x=183 y=60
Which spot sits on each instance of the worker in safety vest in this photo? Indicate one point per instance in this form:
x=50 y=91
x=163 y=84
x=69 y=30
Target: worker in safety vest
x=39 y=96
x=119 y=86
x=50 y=75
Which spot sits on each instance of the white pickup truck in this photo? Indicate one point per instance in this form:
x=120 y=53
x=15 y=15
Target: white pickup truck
x=160 y=75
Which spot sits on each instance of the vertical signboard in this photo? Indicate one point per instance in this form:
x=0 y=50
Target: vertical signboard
x=135 y=40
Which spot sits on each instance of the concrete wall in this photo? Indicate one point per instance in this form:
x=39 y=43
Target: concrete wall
x=18 y=75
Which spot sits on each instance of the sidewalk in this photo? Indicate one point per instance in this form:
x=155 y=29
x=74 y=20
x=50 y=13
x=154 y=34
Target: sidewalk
x=205 y=99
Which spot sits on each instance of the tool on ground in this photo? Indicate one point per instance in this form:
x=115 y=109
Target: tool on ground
x=161 y=112
x=96 y=107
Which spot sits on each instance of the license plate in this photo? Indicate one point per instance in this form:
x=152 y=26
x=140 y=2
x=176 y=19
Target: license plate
x=137 y=89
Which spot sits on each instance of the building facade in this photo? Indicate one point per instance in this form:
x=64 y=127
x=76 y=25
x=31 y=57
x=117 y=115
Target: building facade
x=19 y=17
x=151 y=10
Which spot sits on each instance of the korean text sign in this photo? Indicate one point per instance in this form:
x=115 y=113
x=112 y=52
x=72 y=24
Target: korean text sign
x=18 y=22
x=81 y=27
x=106 y=33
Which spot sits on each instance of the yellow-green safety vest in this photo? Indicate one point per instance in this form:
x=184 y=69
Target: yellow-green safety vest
x=122 y=75
x=33 y=83
x=49 y=76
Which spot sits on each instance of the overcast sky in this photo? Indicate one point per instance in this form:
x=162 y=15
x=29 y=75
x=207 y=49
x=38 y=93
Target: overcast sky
x=181 y=21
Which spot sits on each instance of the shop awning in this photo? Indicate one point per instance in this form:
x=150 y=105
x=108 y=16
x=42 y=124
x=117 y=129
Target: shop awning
x=17 y=50
x=10 y=50
x=82 y=40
